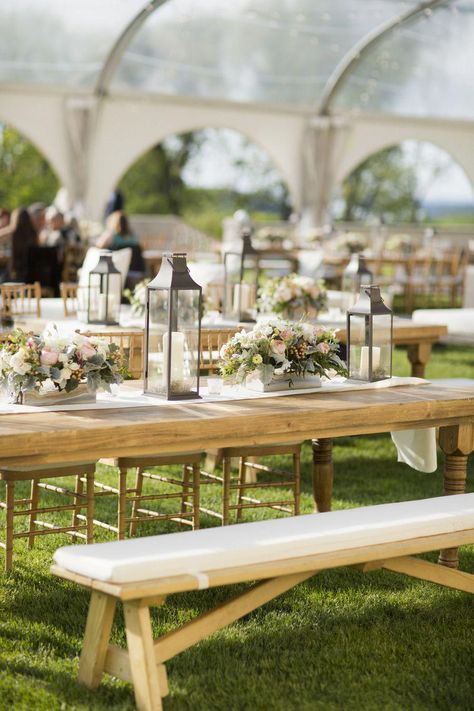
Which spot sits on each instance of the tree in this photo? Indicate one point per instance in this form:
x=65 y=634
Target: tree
x=154 y=183
x=25 y=175
x=383 y=186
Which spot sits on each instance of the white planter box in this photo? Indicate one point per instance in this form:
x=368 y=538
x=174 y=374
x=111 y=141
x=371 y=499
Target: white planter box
x=283 y=382
x=79 y=396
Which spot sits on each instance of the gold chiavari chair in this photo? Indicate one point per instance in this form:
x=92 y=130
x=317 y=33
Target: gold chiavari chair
x=68 y=293
x=20 y=298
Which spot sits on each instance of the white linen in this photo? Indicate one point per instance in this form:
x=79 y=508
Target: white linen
x=417 y=448
x=197 y=552
x=459 y=321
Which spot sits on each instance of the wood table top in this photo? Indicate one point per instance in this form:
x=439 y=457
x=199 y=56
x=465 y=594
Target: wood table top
x=53 y=437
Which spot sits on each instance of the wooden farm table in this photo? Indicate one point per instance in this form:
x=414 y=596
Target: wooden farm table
x=62 y=437
x=418 y=337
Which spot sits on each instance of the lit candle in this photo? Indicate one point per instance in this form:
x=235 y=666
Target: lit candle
x=177 y=359
x=364 y=360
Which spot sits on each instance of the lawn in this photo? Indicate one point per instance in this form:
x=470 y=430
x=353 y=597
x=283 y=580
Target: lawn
x=342 y=640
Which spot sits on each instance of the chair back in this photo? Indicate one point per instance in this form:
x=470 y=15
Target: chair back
x=68 y=293
x=212 y=340
x=21 y=298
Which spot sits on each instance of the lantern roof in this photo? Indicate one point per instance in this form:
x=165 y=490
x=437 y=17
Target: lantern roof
x=369 y=303
x=174 y=273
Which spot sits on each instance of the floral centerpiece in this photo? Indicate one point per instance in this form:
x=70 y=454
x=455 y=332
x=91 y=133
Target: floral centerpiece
x=48 y=364
x=281 y=353
x=271 y=236
x=137 y=297
x=293 y=296
x=350 y=242
x=399 y=243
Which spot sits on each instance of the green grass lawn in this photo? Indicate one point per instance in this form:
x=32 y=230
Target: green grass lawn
x=342 y=640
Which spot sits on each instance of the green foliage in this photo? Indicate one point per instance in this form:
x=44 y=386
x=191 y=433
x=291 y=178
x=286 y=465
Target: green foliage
x=25 y=175
x=383 y=186
x=342 y=640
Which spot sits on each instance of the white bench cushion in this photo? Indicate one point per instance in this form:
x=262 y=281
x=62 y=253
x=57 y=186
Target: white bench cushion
x=193 y=552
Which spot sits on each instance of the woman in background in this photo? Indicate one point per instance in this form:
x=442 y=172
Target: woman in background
x=23 y=236
x=118 y=233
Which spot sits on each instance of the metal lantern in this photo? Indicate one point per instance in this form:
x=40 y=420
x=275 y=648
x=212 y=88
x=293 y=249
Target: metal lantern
x=369 y=337
x=104 y=292
x=355 y=274
x=172 y=331
x=241 y=281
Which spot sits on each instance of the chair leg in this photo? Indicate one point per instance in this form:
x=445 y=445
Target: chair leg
x=136 y=503
x=297 y=481
x=185 y=489
x=243 y=474
x=196 y=494
x=90 y=476
x=10 y=504
x=35 y=490
x=226 y=491
x=122 y=503
x=79 y=490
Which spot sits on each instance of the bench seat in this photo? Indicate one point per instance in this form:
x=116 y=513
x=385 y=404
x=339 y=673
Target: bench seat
x=281 y=553
x=189 y=552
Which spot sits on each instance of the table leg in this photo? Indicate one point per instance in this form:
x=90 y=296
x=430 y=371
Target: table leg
x=322 y=474
x=457 y=443
x=419 y=355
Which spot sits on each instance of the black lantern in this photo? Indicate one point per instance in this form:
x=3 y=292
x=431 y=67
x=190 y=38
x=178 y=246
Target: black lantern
x=104 y=292
x=241 y=281
x=355 y=274
x=369 y=337
x=172 y=332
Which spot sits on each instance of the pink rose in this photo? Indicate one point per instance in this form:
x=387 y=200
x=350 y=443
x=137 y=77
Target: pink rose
x=49 y=356
x=323 y=347
x=278 y=347
x=285 y=334
x=87 y=351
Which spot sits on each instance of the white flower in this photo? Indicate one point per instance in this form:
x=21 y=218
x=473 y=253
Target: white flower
x=17 y=362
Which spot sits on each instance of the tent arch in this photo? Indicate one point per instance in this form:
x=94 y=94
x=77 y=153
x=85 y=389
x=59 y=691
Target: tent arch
x=113 y=153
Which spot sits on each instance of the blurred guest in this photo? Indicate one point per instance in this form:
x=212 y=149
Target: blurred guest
x=118 y=233
x=37 y=214
x=23 y=236
x=114 y=203
x=4 y=217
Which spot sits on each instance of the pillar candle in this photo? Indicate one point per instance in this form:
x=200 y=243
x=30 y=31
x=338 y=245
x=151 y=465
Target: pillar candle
x=177 y=359
x=364 y=360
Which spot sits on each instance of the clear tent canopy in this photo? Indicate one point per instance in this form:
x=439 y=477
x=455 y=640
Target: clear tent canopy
x=299 y=59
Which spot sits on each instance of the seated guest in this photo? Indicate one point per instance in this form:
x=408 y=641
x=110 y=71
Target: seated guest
x=23 y=236
x=37 y=214
x=118 y=233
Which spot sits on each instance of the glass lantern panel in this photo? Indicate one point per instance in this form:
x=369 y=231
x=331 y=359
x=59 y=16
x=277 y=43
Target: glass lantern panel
x=105 y=292
x=157 y=316
x=233 y=263
x=358 y=353
x=382 y=346
x=185 y=346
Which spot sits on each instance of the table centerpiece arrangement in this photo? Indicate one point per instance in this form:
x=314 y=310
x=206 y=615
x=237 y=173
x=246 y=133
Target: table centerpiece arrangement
x=350 y=243
x=49 y=370
x=293 y=296
x=278 y=355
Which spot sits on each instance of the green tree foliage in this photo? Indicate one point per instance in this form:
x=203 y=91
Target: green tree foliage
x=154 y=183
x=25 y=175
x=384 y=186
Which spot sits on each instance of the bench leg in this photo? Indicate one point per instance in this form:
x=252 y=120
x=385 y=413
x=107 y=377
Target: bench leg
x=419 y=355
x=96 y=639
x=148 y=683
x=322 y=474
x=457 y=442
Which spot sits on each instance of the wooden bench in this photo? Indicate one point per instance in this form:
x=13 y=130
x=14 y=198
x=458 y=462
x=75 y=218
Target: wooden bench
x=280 y=553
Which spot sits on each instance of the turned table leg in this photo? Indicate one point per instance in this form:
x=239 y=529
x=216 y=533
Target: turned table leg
x=322 y=474
x=419 y=355
x=457 y=443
